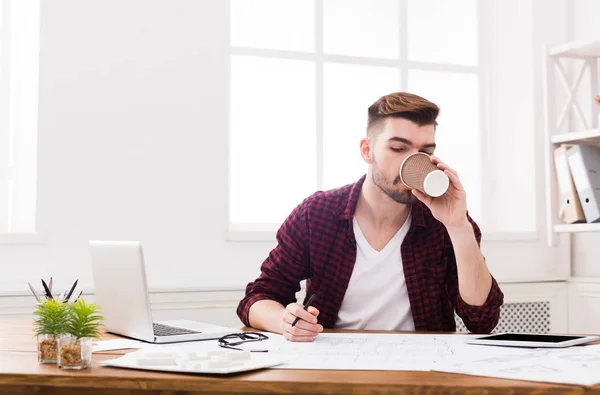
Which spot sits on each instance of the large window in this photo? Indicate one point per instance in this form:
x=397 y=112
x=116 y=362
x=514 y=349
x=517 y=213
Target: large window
x=19 y=48
x=303 y=74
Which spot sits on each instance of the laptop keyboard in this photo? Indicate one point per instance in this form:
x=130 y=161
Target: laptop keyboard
x=166 y=330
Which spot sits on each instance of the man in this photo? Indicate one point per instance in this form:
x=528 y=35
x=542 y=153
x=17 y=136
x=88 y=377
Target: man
x=377 y=254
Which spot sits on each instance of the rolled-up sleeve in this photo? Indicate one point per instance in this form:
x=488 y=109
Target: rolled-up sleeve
x=477 y=319
x=484 y=318
x=284 y=268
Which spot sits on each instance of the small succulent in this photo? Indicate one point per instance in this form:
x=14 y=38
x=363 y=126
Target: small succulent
x=84 y=319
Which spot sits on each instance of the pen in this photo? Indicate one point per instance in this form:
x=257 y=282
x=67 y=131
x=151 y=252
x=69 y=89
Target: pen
x=78 y=296
x=50 y=284
x=306 y=305
x=68 y=296
x=33 y=291
x=48 y=293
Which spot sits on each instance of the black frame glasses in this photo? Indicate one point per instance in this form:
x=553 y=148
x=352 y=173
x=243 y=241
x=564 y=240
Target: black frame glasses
x=235 y=339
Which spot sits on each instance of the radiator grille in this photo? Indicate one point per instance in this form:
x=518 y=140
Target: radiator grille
x=525 y=317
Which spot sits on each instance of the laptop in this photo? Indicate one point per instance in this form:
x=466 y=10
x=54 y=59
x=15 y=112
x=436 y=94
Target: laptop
x=122 y=292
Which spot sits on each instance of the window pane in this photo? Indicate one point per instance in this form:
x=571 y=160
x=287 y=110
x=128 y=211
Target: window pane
x=4 y=121
x=273 y=24
x=458 y=133
x=442 y=31
x=361 y=28
x=349 y=90
x=273 y=138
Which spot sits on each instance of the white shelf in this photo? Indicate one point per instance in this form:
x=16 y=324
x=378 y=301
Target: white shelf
x=584 y=56
x=588 y=137
x=565 y=228
x=577 y=49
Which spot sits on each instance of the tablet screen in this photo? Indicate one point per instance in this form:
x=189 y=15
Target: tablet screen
x=531 y=337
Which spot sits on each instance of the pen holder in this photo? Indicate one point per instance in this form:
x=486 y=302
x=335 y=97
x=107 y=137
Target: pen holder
x=74 y=353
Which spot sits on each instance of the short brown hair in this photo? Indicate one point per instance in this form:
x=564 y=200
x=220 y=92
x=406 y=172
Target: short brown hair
x=403 y=105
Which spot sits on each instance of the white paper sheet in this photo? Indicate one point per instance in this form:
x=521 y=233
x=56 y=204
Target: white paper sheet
x=335 y=351
x=578 y=365
x=117 y=344
x=379 y=351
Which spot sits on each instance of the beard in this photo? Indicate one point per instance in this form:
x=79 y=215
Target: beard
x=403 y=196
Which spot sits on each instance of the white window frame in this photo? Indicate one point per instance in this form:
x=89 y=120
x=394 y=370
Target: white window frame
x=5 y=112
x=19 y=70
x=266 y=231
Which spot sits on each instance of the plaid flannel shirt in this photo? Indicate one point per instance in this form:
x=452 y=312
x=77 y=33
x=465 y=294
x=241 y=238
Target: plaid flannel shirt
x=317 y=243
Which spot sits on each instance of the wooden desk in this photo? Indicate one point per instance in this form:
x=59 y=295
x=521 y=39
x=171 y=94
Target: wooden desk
x=20 y=373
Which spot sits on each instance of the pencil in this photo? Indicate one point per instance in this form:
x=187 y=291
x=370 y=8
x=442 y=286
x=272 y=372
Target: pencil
x=306 y=305
x=33 y=291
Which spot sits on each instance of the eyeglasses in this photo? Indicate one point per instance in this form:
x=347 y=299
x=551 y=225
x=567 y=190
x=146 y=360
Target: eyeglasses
x=235 y=339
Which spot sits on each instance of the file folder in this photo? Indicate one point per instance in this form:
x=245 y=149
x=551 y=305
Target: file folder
x=584 y=162
x=569 y=206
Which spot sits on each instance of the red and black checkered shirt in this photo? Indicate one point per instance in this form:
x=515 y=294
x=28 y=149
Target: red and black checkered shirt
x=316 y=243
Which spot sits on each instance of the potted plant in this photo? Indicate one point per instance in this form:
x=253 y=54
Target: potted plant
x=83 y=325
x=50 y=323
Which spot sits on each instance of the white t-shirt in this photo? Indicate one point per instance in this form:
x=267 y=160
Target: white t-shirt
x=376 y=297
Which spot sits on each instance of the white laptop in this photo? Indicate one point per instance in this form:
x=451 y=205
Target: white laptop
x=122 y=292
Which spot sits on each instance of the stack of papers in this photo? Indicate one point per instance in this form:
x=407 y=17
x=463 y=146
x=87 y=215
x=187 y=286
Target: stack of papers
x=185 y=360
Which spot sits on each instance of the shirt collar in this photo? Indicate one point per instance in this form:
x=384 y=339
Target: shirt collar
x=348 y=206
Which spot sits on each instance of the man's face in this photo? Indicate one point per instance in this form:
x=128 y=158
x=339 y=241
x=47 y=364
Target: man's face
x=394 y=140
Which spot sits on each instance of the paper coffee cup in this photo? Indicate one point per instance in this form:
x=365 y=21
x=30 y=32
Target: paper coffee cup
x=418 y=172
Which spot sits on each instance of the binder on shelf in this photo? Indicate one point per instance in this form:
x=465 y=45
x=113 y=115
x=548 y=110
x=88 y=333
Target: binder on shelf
x=569 y=208
x=584 y=162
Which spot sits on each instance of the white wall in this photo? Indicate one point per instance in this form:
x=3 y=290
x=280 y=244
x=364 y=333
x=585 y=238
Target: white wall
x=583 y=16
x=133 y=141
x=517 y=31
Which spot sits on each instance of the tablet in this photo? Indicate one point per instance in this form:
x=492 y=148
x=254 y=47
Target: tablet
x=532 y=340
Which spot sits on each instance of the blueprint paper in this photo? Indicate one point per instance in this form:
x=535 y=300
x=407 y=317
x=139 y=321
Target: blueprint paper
x=578 y=365
x=381 y=351
x=335 y=351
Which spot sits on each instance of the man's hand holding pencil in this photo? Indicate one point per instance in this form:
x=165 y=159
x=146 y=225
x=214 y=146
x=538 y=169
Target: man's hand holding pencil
x=299 y=323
